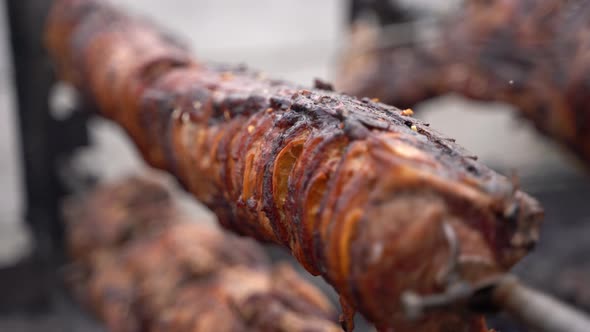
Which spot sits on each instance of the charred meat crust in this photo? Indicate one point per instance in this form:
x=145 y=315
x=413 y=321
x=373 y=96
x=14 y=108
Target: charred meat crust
x=318 y=172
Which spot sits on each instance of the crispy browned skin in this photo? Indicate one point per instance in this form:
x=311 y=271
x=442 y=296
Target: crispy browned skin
x=529 y=53
x=355 y=189
x=144 y=270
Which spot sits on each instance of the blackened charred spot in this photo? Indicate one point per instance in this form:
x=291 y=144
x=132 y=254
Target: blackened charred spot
x=472 y=170
x=234 y=104
x=330 y=101
x=281 y=103
x=300 y=106
x=255 y=103
x=322 y=85
x=374 y=123
x=305 y=105
x=238 y=105
x=339 y=113
x=355 y=130
x=288 y=119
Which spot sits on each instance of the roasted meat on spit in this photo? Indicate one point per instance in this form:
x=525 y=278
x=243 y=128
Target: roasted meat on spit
x=528 y=53
x=360 y=192
x=142 y=266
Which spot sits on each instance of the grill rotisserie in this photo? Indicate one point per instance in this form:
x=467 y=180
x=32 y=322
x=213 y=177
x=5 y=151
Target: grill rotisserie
x=141 y=266
x=357 y=190
x=531 y=54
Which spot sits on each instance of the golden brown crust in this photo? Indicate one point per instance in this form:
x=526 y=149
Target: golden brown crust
x=326 y=175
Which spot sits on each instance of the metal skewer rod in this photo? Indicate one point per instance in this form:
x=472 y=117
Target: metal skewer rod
x=505 y=293
x=532 y=308
x=537 y=310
